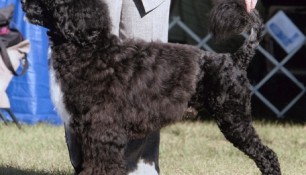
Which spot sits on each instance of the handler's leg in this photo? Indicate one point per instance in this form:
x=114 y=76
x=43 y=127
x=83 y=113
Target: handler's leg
x=74 y=148
x=142 y=154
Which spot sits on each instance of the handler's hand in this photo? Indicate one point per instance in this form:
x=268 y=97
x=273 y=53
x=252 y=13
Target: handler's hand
x=250 y=5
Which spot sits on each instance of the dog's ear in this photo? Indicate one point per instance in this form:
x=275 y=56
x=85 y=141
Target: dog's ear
x=83 y=22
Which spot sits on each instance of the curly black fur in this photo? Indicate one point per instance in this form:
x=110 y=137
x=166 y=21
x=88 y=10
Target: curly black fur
x=118 y=90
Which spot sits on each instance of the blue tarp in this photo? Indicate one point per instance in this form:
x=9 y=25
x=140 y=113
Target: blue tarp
x=29 y=94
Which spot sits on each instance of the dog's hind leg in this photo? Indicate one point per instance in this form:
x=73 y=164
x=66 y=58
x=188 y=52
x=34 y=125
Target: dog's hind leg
x=228 y=99
x=238 y=129
x=236 y=125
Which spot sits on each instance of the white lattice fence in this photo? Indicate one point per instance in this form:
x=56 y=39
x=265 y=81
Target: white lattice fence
x=279 y=66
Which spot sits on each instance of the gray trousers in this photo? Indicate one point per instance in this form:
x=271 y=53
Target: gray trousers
x=147 y=20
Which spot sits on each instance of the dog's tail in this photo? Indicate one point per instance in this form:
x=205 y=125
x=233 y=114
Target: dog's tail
x=230 y=18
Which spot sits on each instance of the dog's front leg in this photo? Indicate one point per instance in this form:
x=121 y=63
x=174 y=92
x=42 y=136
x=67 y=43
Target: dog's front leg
x=103 y=150
x=227 y=96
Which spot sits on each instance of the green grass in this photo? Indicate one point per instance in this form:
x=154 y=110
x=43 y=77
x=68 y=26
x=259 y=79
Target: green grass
x=186 y=149
x=200 y=149
x=34 y=150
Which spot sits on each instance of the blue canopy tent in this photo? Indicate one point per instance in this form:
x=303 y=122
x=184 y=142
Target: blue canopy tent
x=29 y=94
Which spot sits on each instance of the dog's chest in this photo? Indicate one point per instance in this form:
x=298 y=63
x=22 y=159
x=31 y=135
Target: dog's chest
x=57 y=97
x=144 y=168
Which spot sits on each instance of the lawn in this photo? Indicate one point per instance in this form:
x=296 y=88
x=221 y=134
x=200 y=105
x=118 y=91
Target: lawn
x=186 y=149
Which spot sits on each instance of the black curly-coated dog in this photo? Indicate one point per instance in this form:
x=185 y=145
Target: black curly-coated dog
x=110 y=91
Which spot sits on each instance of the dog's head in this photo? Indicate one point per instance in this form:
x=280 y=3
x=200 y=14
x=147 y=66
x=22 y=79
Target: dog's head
x=39 y=12
x=79 y=21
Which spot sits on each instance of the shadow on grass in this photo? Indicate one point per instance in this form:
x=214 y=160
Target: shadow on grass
x=9 y=170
